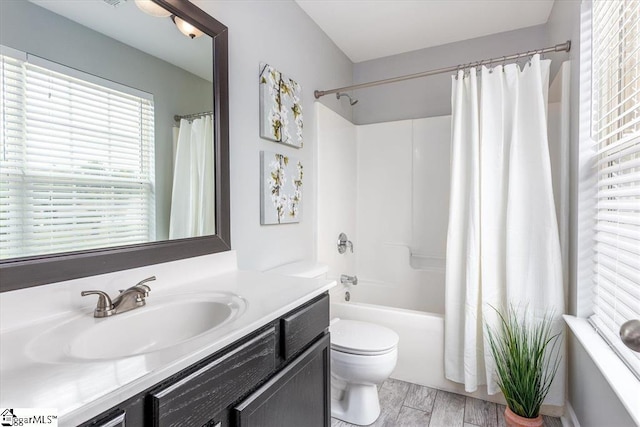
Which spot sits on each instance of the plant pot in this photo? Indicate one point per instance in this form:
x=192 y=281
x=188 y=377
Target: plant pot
x=514 y=420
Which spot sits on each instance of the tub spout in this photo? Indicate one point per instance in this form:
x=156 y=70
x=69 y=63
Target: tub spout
x=348 y=280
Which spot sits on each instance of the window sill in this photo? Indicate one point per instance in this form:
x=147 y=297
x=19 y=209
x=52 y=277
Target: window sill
x=622 y=381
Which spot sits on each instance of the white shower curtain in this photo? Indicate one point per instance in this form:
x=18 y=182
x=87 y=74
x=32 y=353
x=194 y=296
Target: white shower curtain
x=503 y=245
x=193 y=196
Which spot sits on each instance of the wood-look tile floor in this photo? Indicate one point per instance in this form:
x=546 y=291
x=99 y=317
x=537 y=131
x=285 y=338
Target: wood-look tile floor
x=404 y=404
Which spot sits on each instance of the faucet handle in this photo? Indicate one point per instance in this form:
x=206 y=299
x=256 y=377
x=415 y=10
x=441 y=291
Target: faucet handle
x=344 y=243
x=141 y=284
x=104 y=307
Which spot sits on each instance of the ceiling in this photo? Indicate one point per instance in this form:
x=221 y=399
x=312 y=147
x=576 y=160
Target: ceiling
x=370 y=29
x=127 y=24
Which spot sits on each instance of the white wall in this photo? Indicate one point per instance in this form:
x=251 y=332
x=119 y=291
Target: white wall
x=280 y=34
x=430 y=200
x=336 y=189
x=384 y=201
x=402 y=214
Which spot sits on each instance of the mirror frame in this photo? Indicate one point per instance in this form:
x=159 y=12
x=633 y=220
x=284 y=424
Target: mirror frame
x=19 y=273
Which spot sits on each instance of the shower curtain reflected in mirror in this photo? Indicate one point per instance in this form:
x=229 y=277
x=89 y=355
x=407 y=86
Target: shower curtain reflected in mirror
x=503 y=245
x=193 y=196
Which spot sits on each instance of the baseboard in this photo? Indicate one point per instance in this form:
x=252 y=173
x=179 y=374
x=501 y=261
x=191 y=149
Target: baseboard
x=569 y=419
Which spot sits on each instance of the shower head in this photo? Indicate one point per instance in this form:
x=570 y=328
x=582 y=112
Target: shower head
x=351 y=101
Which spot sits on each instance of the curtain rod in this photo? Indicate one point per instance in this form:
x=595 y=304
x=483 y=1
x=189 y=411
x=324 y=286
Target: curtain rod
x=562 y=47
x=192 y=116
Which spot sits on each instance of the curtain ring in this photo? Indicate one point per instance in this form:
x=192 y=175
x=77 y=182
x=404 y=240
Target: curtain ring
x=490 y=66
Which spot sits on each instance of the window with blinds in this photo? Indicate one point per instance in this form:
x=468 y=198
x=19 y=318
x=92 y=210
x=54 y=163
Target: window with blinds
x=76 y=160
x=616 y=130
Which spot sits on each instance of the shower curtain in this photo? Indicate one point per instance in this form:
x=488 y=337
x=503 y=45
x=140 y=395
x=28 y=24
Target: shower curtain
x=193 y=196
x=503 y=245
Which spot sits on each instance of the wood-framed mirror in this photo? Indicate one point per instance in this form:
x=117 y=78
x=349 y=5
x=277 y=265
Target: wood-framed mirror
x=34 y=269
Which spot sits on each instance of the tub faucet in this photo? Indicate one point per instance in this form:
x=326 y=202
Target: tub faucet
x=128 y=299
x=348 y=280
x=344 y=243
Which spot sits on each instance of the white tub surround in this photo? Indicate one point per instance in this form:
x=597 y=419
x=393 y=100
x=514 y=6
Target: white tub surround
x=81 y=389
x=406 y=164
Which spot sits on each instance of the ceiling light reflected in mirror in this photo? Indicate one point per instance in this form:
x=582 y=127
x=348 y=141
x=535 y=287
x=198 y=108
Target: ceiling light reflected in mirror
x=186 y=28
x=153 y=9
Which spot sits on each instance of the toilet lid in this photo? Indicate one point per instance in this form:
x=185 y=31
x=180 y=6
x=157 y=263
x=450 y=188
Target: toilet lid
x=355 y=337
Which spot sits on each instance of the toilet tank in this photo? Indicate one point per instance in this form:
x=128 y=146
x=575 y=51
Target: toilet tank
x=306 y=269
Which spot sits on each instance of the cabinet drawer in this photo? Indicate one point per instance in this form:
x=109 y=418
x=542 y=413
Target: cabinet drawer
x=299 y=328
x=197 y=398
x=299 y=395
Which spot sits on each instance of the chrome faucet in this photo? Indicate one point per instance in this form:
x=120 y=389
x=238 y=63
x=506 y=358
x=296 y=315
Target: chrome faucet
x=344 y=243
x=348 y=280
x=128 y=299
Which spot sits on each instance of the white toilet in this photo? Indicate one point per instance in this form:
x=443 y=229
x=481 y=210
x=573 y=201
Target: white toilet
x=363 y=355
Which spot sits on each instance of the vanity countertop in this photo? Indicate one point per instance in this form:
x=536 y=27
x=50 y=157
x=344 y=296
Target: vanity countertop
x=81 y=389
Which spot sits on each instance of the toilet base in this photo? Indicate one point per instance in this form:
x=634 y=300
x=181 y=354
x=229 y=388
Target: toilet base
x=359 y=405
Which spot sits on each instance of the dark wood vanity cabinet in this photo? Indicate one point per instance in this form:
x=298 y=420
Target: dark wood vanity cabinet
x=276 y=376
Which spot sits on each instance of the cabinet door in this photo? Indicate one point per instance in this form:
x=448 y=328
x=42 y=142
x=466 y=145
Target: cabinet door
x=299 y=395
x=197 y=398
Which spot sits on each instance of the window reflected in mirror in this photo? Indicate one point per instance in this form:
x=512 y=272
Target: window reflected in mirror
x=77 y=160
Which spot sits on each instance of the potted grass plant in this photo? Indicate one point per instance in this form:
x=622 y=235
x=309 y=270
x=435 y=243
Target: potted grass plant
x=527 y=357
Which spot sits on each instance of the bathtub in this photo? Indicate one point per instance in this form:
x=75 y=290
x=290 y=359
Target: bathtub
x=421 y=346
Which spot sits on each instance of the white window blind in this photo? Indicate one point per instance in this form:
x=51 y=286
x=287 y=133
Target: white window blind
x=616 y=130
x=76 y=161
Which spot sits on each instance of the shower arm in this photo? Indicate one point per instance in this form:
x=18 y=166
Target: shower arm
x=562 y=47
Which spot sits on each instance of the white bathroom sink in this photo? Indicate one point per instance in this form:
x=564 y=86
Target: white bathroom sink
x=162 y=323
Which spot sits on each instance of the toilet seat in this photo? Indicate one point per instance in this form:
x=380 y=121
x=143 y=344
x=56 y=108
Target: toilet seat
x=362 y=338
